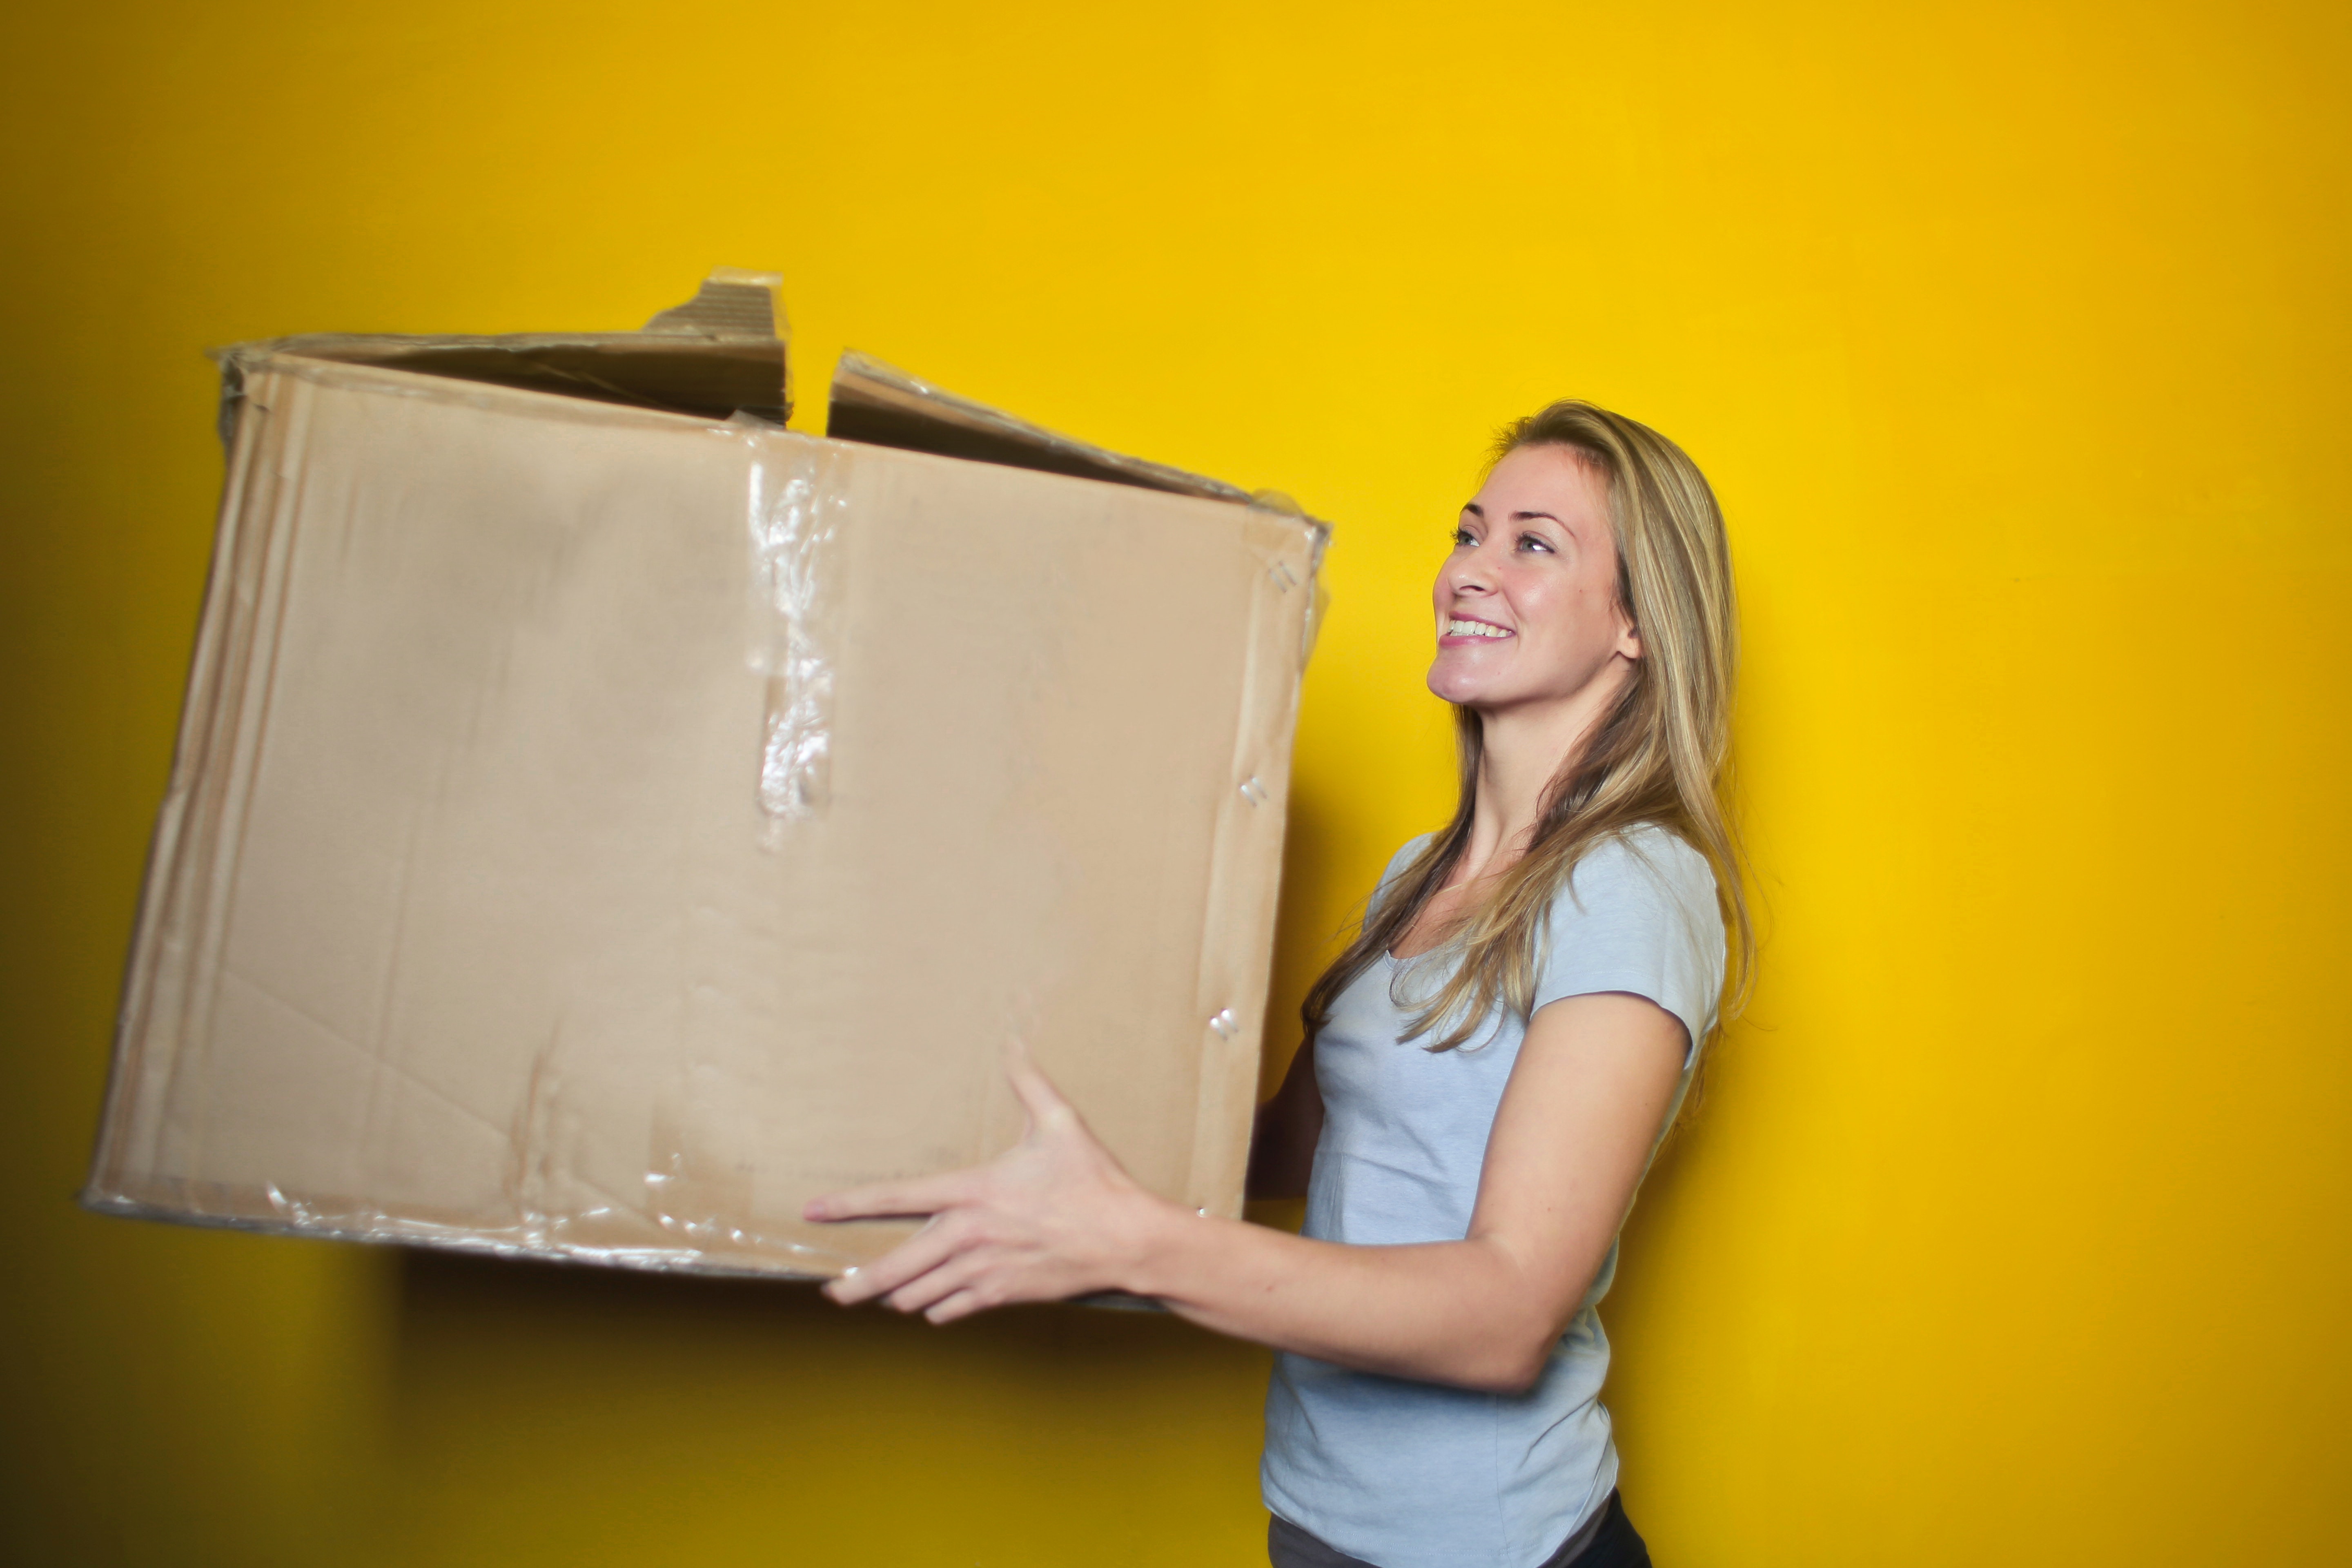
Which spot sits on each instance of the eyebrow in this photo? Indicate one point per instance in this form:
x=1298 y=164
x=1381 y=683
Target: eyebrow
x=1474 y=509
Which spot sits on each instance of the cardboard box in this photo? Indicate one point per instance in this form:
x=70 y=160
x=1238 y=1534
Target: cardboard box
x=603 y=819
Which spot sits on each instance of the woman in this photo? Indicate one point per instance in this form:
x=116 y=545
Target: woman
x=1487 y=1068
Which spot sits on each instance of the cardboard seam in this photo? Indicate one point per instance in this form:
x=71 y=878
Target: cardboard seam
x=1229 y=843
x=166 y=877
x=248 y=743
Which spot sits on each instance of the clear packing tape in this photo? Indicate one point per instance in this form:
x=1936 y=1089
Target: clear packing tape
x=333 y=435
x=797 y=506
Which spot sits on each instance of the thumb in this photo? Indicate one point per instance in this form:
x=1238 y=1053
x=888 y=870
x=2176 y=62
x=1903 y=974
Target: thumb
x=1038 y=1096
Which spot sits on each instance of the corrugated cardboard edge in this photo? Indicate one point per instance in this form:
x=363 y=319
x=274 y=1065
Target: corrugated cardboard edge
x=1237 y=947
x=202 y=727
x=203 y=810
x=732 y=302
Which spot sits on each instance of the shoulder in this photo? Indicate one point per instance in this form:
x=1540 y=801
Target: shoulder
x=1639 y=914
x=1644 y=864
x=1399 y=861
x=1644 y=884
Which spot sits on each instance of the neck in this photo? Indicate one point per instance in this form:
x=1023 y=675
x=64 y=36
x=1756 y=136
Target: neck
x=1522 y=750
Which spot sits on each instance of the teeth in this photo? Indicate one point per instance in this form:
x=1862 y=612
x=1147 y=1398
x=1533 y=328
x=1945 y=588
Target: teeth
x=1474 y=629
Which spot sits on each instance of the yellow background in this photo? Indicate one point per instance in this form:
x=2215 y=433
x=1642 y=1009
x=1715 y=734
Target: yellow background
x=2015 y=337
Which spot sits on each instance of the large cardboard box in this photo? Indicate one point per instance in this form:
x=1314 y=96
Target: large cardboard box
x=603 y=819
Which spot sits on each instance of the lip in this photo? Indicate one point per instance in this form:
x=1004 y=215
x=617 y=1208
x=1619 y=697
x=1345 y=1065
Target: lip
x=1445 y=641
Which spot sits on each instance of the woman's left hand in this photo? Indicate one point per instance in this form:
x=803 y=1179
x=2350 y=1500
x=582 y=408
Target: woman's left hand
x=1054 y=1216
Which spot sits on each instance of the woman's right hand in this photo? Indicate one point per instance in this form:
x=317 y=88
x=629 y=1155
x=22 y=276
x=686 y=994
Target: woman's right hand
x=1054 y=1216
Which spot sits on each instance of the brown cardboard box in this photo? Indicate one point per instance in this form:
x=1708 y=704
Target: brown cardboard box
x=603 y=819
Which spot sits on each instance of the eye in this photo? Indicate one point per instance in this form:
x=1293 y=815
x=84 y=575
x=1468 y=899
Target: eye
x=1536 y=542
x=1462 y=536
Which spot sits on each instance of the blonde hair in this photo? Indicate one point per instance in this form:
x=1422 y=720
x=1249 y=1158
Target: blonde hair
x=1660 y=756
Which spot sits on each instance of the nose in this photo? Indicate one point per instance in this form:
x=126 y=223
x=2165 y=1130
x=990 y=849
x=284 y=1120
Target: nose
x=1466 y=572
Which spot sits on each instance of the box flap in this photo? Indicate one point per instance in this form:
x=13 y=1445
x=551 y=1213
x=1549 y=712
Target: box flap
x=720 y=355
x=884 y=406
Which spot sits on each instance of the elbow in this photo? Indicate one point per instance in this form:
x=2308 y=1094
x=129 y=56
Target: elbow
x=1519 y=1338
x=1512 y=1377
x=1508 y=1364
x=1497 y=1331
x=1512 y=1347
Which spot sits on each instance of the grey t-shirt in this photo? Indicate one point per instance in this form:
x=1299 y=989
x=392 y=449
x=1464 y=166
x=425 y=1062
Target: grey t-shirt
x=1418 y=1475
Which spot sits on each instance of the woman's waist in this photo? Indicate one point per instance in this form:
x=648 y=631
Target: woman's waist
x=1357 y=1456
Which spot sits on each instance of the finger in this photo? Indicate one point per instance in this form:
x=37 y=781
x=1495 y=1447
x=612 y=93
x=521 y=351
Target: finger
x=962 y=1304
x=916 y=1256
x=879 y=1200
x=955 y=1275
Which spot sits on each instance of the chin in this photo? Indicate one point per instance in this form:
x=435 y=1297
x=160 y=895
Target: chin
x=1454 y=686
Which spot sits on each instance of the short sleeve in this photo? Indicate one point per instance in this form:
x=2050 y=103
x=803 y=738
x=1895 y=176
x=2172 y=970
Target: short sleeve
x=1397 y=863
x=1639 y=915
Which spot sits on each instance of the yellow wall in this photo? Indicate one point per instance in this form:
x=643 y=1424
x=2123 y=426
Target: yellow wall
x=2015 y=336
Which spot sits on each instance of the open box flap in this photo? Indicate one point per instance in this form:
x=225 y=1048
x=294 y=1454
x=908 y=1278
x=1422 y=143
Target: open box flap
x=718 y=354
x=884 y=406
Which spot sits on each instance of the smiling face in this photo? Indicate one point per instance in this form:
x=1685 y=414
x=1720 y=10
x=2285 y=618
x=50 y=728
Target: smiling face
x=1526 y=603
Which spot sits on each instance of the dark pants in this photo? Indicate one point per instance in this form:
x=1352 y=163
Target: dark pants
x=1616 y=1545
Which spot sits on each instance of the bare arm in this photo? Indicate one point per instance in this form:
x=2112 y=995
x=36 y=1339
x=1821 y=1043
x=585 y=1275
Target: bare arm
x=1057 y=1217
x=1281 y=1150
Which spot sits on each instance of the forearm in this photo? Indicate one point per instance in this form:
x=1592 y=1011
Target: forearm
x=1057 y=1217
x=1463 y=1312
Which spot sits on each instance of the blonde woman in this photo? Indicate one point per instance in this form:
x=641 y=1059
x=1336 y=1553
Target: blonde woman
x=1487 y=1068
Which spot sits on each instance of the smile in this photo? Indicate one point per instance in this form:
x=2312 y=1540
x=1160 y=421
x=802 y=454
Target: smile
x=1460 y=628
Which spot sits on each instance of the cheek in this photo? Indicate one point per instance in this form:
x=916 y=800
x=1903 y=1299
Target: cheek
x=1571 y=623
x=1545 y=604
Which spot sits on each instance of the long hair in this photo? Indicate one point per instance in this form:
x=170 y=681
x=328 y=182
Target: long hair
x=1659 y=755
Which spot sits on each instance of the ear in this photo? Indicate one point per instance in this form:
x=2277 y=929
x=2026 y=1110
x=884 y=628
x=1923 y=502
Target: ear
x=1629 y=639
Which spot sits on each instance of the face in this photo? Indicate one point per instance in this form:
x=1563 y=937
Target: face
x=1526 y=603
